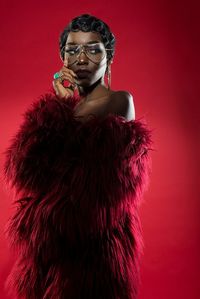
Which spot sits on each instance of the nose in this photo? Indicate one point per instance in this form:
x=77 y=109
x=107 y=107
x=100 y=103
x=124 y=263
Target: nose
x=82 y=57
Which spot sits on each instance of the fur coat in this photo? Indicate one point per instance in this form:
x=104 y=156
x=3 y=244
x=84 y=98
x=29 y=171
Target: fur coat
x=78 y=187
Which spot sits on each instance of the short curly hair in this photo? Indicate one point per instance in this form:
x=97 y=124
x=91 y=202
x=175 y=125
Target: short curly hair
x=87 y=23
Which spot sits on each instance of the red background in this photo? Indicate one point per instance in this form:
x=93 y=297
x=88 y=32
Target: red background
x=157 y=58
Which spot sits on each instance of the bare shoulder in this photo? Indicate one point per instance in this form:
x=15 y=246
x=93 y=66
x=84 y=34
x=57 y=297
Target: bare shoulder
x=121 y=103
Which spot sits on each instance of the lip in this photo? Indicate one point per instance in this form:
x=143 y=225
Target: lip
x=82 y=73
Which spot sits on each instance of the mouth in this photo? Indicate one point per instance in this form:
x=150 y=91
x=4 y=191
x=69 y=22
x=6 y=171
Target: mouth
x=82 y=74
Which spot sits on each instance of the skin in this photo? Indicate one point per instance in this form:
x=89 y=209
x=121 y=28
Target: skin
x=95 y=96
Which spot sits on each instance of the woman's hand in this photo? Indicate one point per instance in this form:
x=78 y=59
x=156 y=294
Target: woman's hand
x=67 y=74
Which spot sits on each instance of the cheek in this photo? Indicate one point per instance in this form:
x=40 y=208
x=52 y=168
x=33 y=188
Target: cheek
x=101 y=68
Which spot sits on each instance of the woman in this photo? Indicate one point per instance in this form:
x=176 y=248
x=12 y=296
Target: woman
x=79 y=166
x=87 y=68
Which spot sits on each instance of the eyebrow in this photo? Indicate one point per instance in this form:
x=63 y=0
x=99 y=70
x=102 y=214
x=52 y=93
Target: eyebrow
x=90 y=42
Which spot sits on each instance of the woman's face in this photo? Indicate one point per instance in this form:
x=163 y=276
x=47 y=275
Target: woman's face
x=96 y=68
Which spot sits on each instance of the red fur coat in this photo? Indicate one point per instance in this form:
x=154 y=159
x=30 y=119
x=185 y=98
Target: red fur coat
x=78 y=187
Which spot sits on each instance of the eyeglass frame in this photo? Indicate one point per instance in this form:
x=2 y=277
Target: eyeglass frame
x=82 y=50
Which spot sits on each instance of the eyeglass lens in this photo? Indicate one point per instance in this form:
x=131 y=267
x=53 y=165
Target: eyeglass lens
x=94 y=52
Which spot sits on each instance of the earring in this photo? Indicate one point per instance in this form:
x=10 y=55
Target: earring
x=109 y=76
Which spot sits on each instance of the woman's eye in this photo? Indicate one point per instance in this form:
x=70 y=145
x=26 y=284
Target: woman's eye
x=94 y=50
x=71 y=51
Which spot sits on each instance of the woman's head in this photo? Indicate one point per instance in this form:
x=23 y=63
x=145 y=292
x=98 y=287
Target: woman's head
x=74 y=40
x=89 y=23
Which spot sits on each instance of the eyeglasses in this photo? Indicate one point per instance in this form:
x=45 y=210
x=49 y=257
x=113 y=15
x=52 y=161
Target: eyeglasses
x=95 y=52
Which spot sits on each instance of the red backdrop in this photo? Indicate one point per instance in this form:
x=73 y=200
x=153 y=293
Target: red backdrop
x=157 y=56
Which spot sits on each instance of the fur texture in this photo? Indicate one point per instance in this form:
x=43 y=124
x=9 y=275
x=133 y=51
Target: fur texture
x=77 y=187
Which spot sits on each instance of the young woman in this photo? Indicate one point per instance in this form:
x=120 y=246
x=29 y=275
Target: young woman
x=79 y=165
x=87 y=56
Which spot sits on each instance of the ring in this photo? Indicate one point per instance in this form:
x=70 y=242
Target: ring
x=57 y=75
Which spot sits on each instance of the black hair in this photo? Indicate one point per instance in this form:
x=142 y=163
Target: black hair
x=86 y=23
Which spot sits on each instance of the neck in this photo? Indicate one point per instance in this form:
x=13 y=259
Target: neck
x=88 y=93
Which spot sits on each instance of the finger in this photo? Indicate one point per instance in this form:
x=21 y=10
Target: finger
x=63 y=77
x=65 y=67
x=69 y=92
x=59 y=88
x=58 y=84
x=59 y=81
x=68 y=72
x=73 y=74
x=61 y=91
x=71 y=87
x=67 y=76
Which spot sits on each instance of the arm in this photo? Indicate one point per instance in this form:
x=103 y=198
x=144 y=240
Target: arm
x=31 y=158
x=122 y=104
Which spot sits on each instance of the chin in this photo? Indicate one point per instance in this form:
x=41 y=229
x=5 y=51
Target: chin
x=86 y=83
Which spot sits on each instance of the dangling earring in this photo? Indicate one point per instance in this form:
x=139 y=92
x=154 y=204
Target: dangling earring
x=109 y=76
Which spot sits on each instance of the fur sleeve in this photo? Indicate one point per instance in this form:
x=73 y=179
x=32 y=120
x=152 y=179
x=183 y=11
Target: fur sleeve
x=31 y=160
